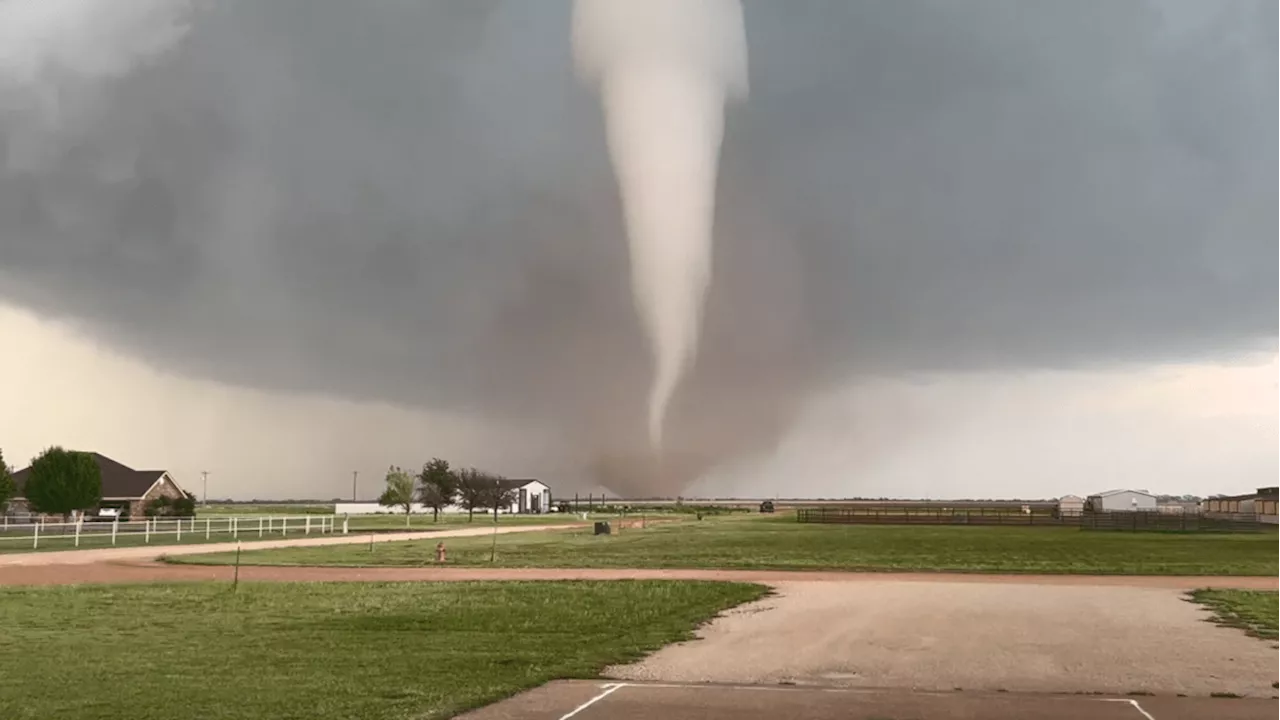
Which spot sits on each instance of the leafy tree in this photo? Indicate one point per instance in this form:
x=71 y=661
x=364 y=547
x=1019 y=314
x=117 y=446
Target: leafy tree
x=497 y=495
x=399 y=492
x=163 y=506
x=8 y=489
x=185 y=506
x=438 y=486
x=473 y=491
x=157 y=507
x=63 y=481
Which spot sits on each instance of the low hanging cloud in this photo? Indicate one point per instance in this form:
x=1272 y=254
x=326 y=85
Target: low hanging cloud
x=412 y=203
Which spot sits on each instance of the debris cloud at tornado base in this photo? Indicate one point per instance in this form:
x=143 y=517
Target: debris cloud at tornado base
x=415 y=203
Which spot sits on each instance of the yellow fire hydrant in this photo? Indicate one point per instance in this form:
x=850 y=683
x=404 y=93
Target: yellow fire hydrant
x=440 y=552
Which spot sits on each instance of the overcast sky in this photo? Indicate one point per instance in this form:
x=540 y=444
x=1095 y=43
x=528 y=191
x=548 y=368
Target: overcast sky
x=281 y=241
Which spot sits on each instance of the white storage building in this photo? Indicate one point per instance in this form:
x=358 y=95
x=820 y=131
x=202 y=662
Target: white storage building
x=1122 y=501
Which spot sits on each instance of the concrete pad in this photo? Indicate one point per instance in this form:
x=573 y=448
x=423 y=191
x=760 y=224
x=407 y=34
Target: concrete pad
x=591 y=700
x=991 y=637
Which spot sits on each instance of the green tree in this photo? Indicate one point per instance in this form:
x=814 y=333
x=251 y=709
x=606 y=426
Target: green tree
x=473 y=491
x=185 y=506
x=61 y=482
x=497 y=494
x=165 y=506
x=399 y=492
x=438 y=486
x=7 y=487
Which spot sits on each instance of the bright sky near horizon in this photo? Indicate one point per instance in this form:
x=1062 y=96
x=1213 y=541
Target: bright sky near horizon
x=1198 y=429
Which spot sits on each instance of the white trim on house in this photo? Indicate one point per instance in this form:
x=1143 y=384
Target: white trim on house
x=164 y=475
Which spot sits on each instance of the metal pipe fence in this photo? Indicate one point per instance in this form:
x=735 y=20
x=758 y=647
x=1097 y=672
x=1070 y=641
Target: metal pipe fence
x=35 y=534
x=1134 y=521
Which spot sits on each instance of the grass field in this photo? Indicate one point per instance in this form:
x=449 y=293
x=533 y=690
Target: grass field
x=781 y=543
x=451 y=520
x=1253 y=611
x=98 y=535
x=310 y=651
x=387 y=521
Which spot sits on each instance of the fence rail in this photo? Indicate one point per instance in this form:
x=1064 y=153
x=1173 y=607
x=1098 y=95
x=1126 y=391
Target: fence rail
x=167 y=531
x=908 y=515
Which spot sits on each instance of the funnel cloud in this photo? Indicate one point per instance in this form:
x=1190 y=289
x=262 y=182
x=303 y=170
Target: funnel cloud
x=665 y=70
x=422 y=204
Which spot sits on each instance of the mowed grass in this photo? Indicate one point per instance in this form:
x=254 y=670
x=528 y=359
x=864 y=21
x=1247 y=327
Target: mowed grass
x=453 y=521
x=780 y=543
x=325 y=650
x=17 y=539
x=1253 y=611
x=390 y=522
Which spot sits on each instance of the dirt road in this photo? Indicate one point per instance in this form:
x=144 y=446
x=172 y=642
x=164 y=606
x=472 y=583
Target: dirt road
x=131 y=568
x=593 y=700
x=993 y=636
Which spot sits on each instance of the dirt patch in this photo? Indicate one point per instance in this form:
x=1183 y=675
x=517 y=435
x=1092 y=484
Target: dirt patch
x=1130 y=641
x=144 y=570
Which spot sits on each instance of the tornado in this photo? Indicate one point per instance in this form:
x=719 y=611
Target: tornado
x=664 y=71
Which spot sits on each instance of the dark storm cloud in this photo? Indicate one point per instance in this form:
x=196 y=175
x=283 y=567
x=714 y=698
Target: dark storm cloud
x=411 y=202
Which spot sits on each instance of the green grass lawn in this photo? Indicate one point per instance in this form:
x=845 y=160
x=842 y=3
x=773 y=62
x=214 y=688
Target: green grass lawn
x=458 y=520
x=371 y=651
x=98 y=535
x=279 y=509
x=782 y=543
x=1253 y=611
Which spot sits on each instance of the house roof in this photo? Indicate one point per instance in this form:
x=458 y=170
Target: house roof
x=1109 y=493
x=118 y=480
x=516 y=483
x=1245 y=496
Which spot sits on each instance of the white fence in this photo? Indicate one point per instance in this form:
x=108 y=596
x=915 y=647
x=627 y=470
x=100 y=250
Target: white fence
x=167 y=531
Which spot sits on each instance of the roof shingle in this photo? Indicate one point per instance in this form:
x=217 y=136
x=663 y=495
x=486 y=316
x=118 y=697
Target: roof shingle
x=118 y=480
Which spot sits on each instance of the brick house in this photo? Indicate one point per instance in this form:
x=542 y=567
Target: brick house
x=124 y=489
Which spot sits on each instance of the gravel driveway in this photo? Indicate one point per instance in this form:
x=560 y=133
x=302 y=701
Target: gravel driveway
x=975 y=636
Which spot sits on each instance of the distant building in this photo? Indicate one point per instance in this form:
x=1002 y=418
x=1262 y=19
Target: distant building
x=1070 y=505
x=1261 y=504
x=529 y=497
x=1122 y=501
x=1178 y=507
x=125 y=491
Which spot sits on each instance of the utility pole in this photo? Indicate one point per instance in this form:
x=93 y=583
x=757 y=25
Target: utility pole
x=205 y=475
x=497 y=495
x=354 y=475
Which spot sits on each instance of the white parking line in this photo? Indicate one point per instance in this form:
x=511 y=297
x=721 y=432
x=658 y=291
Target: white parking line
x=609 y=689
x=1135 y=705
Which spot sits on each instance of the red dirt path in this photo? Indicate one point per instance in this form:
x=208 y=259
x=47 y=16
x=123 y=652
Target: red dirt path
x=124 y=571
